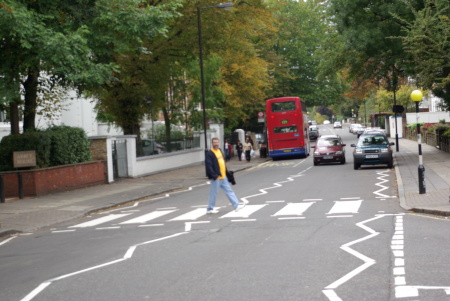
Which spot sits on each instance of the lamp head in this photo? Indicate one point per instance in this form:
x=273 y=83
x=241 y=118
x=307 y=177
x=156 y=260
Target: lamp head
x=416 y=95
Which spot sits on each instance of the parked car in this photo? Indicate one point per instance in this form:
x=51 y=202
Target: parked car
x=359 y=131
x=354 y=128
x=151 y=147
x=326 y=122
x=328 y=149
x=313 y=135
x=337 y=125
x=314 y=128
x=372 y=149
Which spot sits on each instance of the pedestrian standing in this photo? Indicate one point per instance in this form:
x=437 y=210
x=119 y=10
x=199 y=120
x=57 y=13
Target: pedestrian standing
x=239 y=149
x=247 y=148
x=216 y=171
x=227 y=151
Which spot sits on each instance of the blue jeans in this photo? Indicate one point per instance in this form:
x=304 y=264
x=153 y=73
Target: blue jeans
x=214 y=187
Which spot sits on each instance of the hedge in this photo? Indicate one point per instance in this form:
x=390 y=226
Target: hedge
x=58 y=145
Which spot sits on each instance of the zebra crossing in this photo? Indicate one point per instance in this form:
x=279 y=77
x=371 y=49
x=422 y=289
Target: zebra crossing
x=280 y=210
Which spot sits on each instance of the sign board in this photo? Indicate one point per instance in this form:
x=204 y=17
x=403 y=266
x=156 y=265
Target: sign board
x=24 y=159
x=261 y=114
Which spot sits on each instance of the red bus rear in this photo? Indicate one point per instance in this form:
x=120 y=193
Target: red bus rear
x=287 y=127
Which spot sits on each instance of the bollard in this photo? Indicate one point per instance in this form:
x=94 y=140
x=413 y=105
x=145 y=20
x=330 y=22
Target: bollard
x=2 y=190
x=422 y=187
x=20 y=185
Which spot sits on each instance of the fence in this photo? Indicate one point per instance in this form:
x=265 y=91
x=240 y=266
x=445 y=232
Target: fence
x=151 y=147
x=437 y=140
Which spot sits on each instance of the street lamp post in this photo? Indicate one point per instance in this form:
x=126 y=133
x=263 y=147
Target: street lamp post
x=416 y=96
x=202 y=77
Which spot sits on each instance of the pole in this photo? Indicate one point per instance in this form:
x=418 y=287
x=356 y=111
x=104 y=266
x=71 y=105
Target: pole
x=421 y=168
x=202 y=77
x=395 y=120
x=2 y=190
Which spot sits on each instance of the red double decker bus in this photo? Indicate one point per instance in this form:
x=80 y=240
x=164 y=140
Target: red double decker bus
x=287 y=127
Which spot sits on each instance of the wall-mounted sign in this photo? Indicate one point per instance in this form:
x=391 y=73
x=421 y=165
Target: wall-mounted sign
x=24 y=159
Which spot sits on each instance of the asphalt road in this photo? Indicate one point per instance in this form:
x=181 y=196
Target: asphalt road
x=324 y=232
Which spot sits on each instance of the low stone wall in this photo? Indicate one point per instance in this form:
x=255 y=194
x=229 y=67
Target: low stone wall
x=49 y=180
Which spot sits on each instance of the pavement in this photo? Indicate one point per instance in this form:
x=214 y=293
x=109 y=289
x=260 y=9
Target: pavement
x=26 y=215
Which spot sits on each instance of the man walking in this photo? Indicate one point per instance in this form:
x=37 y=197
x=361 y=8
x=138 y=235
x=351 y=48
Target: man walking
x=216 y=172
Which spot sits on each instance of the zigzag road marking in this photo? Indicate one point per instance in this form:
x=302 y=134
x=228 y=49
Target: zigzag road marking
x=276 y=185
x=380 y=184
x=127 y=256
x=329 y=290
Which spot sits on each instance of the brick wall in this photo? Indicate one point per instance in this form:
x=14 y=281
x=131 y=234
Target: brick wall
x=48 y=180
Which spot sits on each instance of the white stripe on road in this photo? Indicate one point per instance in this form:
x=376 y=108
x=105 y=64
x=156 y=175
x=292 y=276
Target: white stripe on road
x=190 y=216
x=244 y=212
x=294 y=209
x=345 y=207
x=147 y=217
x=100 y=220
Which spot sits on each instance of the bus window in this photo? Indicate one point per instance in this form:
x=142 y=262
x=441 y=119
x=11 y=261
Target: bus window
x=285 y=129
x=283 y=106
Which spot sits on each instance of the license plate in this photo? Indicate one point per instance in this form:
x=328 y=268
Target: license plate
x=371 y=156
x=287 y=151
x=328 y=157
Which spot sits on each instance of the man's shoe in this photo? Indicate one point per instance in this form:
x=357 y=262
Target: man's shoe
x=213 y=211
x=239 y=207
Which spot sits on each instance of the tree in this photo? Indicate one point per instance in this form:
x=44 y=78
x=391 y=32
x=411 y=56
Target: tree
x=428 y=41
x=300 y=42
x=74 y=42
x=371 y=35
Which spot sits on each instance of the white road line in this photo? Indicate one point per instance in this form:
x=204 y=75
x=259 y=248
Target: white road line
x=100 y=220
x=244 y=212
x=355 y=198
x=294 y=209
x=243 y=220
x=367 y=261
x=311 y=200
x=192 y=215
x=270 y=202
x=345 y=207
x=150 y=225
x=127 y=256
x=337 y=216
x=6 y=240
x=63 y=231
x=188 y=225
x=107 y=228
x=293 y=217
x=147 y=217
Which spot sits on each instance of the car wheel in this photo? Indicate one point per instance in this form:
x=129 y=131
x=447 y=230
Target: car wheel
x=390 y=164
x=316 y=163
x=356 y=166
x=343 y=161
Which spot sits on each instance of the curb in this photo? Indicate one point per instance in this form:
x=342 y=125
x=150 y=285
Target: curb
x=401 y=191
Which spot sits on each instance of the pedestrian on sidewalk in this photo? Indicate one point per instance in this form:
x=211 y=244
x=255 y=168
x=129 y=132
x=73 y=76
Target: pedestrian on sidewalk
x=248 y=148
x=227 y=151
x=239 y=149
x=216 y=171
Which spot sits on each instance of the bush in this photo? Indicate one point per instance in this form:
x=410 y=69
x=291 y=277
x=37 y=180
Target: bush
x=69 y=145
x=35 y=140
x=438 y=127
x=446 y=133
x=58 y=145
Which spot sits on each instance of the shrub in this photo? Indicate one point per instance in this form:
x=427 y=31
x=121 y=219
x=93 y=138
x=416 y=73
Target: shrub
x=438 y=127
x=35 y=140
x=58 y=145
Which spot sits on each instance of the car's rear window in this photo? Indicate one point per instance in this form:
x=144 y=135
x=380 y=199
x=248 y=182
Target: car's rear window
x=328 y=142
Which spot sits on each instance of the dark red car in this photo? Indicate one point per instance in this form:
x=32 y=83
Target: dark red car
x=328 y=149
